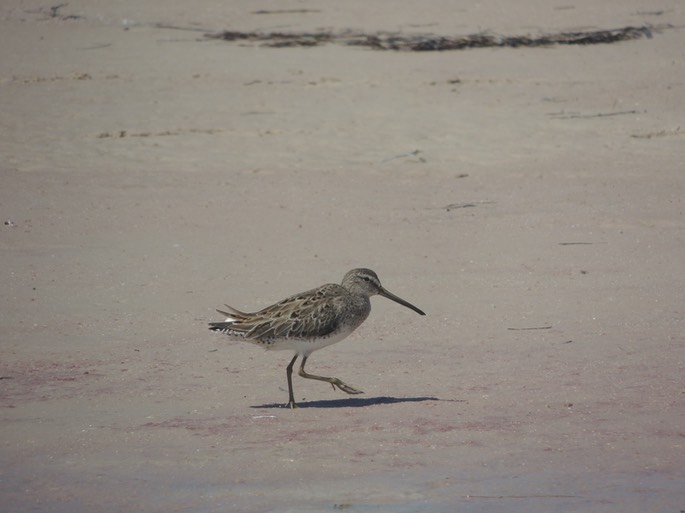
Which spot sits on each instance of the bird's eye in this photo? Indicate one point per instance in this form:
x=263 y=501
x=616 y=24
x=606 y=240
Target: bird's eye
x=366 y=278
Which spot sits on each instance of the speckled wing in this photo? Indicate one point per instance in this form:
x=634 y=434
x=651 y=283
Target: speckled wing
x=311 y=314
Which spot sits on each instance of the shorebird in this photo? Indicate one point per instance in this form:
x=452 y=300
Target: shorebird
x=309 y=321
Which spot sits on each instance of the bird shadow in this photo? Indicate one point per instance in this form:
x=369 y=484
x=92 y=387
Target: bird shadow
x=352 y=402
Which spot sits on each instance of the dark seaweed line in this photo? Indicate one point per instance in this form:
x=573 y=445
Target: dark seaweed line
x=424 y=43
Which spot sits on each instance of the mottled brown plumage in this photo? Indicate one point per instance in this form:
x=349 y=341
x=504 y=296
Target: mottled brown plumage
x=309 y=321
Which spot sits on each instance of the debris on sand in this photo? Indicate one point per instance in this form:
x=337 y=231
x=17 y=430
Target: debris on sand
x=431 y=43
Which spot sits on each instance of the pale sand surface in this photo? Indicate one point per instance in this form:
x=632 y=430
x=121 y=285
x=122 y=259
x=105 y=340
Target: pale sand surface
x=151 y=175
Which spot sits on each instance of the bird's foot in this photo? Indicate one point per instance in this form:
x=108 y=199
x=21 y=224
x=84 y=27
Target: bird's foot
x=345 y=387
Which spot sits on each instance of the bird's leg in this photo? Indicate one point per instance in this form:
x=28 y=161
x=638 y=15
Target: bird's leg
x=289 y=373
x=335 y=382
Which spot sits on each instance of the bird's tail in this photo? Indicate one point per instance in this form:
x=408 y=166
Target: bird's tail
x=220 y=326
x=233 y=315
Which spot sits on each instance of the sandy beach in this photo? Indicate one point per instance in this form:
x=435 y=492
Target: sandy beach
x=529 y=199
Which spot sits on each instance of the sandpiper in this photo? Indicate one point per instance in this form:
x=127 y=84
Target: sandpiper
x=310 y=321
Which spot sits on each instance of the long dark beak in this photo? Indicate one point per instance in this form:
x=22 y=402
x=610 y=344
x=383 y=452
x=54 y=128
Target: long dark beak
x=399 y=300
